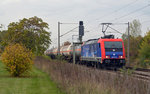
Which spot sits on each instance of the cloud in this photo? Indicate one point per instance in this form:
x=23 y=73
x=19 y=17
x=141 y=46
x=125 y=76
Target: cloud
x=92 y=12
x=9 y=1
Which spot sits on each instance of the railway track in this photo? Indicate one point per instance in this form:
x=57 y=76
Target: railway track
x=138 y=73
x=141 y=74
x=139 y=69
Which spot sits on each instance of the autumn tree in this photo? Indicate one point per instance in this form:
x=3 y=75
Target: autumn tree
x=32 y=32
x=66 y=43
x=135 y=40
x=2 y=35
x=144 y=51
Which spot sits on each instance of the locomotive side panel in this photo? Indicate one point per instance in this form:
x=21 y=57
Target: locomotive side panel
x=91 y=52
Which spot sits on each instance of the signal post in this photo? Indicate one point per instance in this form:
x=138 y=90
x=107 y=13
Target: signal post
x=81 y=34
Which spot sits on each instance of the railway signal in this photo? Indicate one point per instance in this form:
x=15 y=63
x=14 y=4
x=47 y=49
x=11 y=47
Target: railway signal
x=81 y=34
x=81 y=30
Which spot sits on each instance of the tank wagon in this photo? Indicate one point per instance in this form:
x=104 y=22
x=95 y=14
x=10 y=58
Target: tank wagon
x=102 y=52
x=66 y=52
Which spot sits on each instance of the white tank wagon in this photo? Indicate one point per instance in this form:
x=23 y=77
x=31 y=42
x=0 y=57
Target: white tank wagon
x=66 y=52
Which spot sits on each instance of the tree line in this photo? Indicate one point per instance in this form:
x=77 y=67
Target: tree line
x=32 y=33
x=139 y=45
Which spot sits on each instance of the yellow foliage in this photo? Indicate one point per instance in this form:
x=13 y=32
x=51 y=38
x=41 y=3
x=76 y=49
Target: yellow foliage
x=18 y=59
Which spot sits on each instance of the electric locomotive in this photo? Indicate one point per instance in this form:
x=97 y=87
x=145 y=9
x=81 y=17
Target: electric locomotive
x=103 y=52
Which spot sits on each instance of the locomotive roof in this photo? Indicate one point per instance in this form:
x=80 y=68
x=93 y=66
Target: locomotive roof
x=91 y=41
x=100 y=40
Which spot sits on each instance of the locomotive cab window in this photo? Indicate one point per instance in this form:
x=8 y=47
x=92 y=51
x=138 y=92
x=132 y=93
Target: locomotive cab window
x=115 y=44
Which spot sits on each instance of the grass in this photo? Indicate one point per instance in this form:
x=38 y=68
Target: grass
x=38 y=83
x=77 y=79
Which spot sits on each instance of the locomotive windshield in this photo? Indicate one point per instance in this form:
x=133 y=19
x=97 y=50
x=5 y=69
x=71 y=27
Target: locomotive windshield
x=111 y=44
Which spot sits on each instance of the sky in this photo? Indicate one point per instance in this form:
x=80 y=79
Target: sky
x=91 y=12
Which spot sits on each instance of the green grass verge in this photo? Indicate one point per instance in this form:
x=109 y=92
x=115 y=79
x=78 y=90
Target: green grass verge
x=38 y=83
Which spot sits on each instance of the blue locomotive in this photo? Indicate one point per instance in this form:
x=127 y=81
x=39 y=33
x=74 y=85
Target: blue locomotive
x=103 y=52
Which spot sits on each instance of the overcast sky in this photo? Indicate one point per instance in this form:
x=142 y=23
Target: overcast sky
x=92 y=12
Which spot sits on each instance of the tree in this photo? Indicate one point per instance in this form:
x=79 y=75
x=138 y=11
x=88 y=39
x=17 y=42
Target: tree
x=135 y=40
x=2 y=37
x=66 y=43
x=144 y=52
x=135 y=43
x=135 y=28
x=30 y=32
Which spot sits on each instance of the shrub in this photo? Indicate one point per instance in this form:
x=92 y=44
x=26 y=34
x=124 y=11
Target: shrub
x=18 y=59
x=144 y=51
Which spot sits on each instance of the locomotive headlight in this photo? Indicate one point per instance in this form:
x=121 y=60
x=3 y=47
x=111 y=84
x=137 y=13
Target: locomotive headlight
x=107 y=56
x=120 y=56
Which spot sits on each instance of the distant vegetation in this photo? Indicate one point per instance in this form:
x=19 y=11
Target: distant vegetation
x=139 y=46
x=66 y=43
x=144 y=51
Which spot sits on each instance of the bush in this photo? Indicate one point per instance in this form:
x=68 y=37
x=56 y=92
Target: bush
x=144 y=52
x=18 y=59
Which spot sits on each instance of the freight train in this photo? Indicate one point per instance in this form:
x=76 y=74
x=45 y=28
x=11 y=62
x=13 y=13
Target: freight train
x=102 y=52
